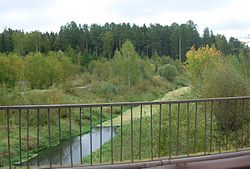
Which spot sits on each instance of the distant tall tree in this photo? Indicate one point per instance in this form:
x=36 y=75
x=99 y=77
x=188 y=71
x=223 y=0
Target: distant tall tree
x=55 y=41
x=174 y=38
x=137 y=39
x=235 y=46
x=84 y=38
x=18 y=38
x=69 y=36
x=96 y=38
x=206 y=37
x=1 y=43
x=221 y=44
x=107 y=44
x=34 y=41
x=46 y=43
x=6 y=40
x=145 y=39
x=155 y=41
x=165 y=45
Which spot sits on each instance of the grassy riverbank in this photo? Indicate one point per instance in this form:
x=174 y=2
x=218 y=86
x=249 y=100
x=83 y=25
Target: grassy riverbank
x=159 y=144
x=53 y=96
x=163 y=142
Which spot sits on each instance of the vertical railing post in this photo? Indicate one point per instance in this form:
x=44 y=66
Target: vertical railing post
x=70 y=136
x=101 y=135
x=169 y=134
x=90 y=123
x=121 y=134
x=227 y=121
x=195 y=126
x=140 y=132
x=211 y=126
x=59 y=133
x=81 y=135
x=8 y=133
x=27 y=141
x=236 y=126
x=38 y=133
x=151 y=133
x=159 y=134
x=205 y=129
x=50 y=163
x=112 y=146
x=220 y=116
x=131 y=128
x=178 y=129
x=242 y=122
x=20 y=135
x=188 y=130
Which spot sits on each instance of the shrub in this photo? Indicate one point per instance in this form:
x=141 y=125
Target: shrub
x=108 y=88
x=198 y=60
x=244 y=60
x=50 y=96
x=168 y=71
x=224 y=80
x=42 y=72
x=101 y=69
x=10 y=69
x=215 y=76
x=9 y=96
x=180 y=81
x=37 y=71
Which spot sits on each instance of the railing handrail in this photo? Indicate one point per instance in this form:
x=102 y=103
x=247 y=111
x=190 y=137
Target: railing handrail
x=174 y=121
x=121 y=103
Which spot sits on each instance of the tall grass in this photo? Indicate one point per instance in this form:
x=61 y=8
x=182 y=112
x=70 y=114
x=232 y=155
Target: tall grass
x=164 y=136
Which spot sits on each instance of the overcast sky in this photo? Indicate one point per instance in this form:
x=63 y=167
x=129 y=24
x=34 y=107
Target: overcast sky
x=228 y=17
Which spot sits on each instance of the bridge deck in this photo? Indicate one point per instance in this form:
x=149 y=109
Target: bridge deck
x=235 y=160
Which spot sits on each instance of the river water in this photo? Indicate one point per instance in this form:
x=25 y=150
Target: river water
x=62 y=151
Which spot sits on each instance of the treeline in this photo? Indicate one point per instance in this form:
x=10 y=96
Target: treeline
x=104 y=40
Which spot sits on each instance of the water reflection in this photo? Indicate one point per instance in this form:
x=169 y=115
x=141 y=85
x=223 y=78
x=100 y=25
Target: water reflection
x=63 y=150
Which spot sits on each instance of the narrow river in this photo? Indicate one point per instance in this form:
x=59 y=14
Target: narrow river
x=62 y=151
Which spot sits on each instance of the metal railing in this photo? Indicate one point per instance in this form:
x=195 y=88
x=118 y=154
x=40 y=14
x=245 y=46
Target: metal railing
x=113 y=133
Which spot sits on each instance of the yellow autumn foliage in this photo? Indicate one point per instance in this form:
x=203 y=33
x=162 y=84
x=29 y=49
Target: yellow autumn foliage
x=200 y=59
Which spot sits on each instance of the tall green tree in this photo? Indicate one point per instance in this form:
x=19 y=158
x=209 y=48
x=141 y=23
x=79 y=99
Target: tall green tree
x=206 y=37
x=6 y=41
x=34 y=41
x=19 y=43
x=96 y=38
x=221 y=44
x=69 y=36
x=84 y=38
x=107 y=44
x=127 y=64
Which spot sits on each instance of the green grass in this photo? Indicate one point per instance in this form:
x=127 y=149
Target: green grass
x=136 y=110
x=43 y=131
x=163 y=146
x=58 y=96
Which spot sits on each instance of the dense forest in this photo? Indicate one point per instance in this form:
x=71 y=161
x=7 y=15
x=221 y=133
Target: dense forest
x=103 y=40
